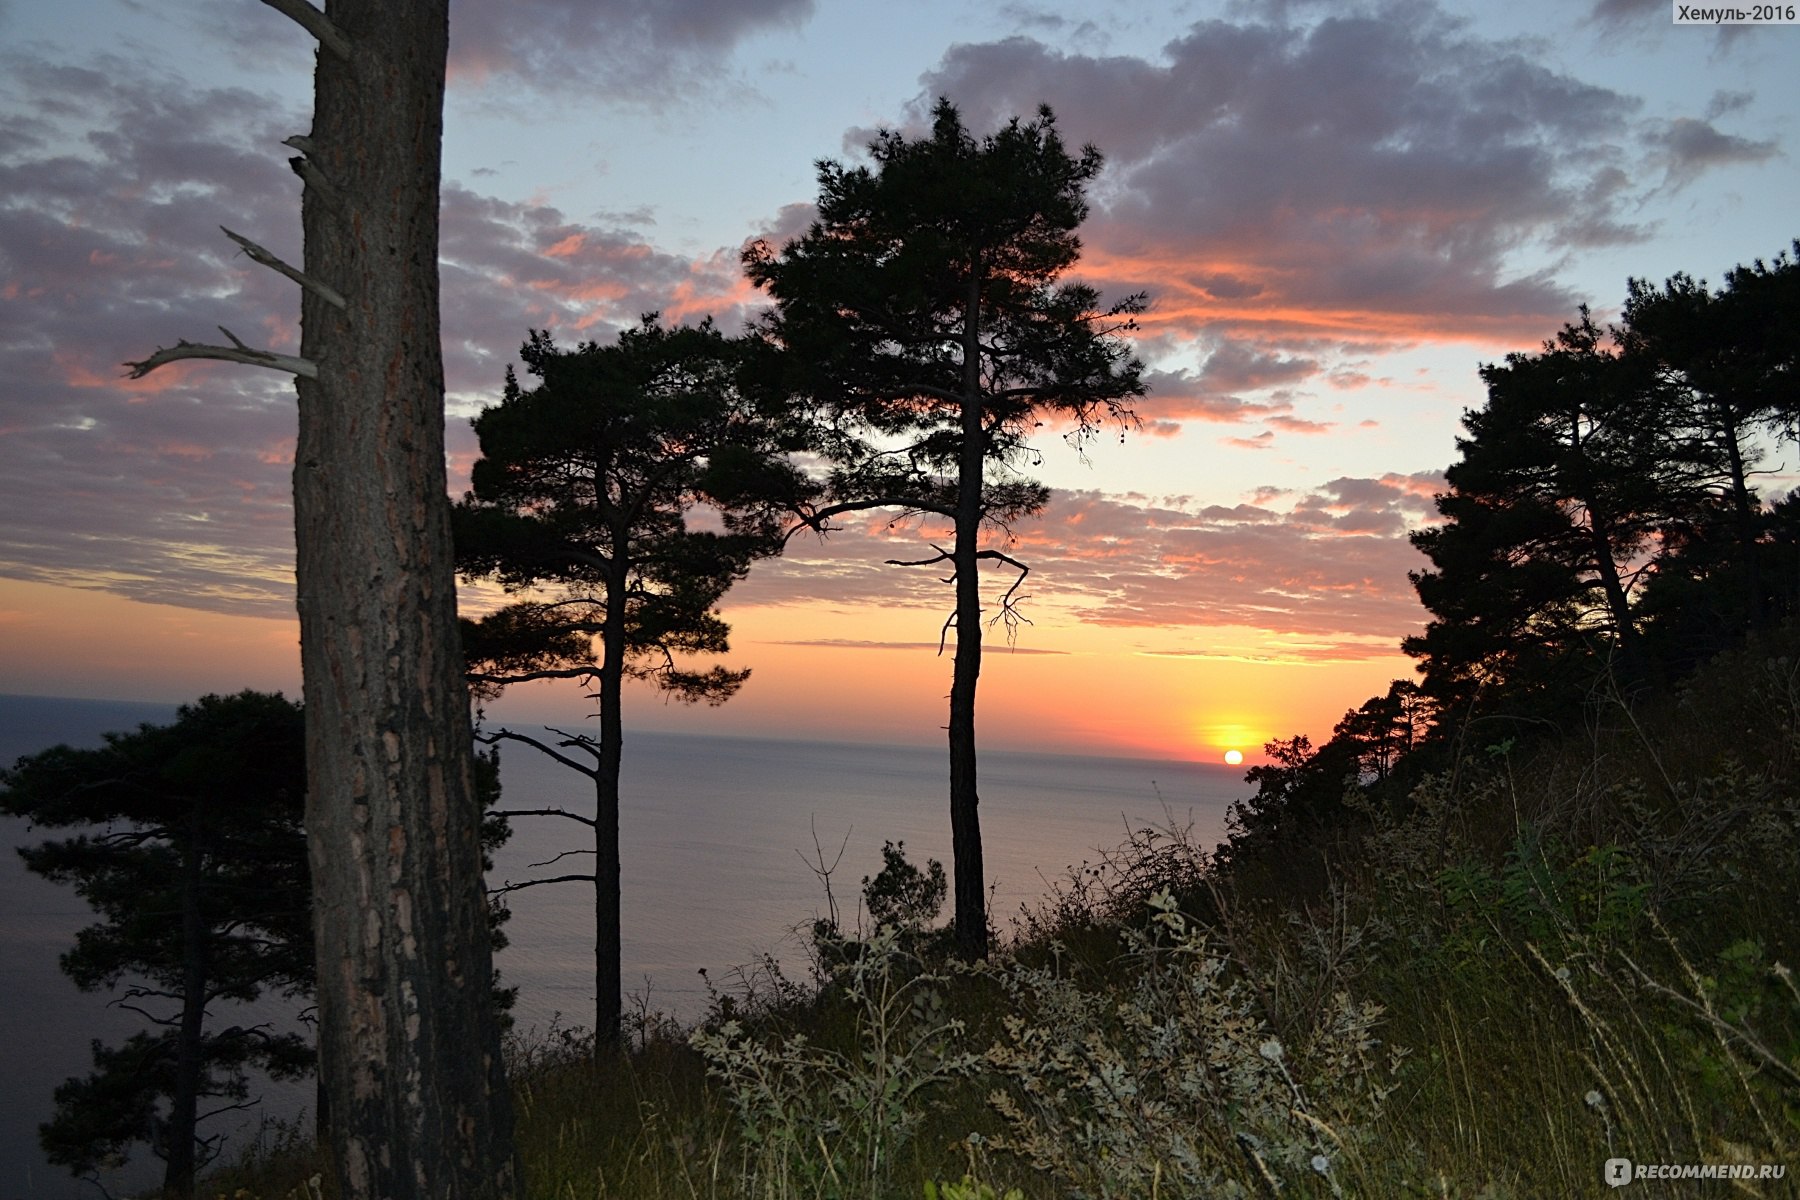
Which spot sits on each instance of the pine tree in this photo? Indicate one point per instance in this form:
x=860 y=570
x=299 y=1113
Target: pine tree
x=188 y=844
x=925 y=320
x=587 y=486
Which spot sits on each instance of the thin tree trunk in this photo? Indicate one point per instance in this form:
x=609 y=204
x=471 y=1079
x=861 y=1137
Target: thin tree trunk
x=184 y=1104
x=1743 y=510
x=608 y=987
x=409 y=1041
x=1617 y=603
x=965 y=816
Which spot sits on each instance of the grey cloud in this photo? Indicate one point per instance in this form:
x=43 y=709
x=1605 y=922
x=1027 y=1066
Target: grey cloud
x=1689 y=147
x=175 y=489
x=624 y=50
x=1724 y=103
x=1383 y=163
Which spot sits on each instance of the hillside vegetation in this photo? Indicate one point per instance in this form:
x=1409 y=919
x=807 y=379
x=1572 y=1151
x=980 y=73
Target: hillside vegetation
x=1549 y=952
x=1532 y=913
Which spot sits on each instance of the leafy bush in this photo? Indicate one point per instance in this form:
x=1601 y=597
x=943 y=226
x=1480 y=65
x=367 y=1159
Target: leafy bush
x=1169 y=1081
x=827 y=1121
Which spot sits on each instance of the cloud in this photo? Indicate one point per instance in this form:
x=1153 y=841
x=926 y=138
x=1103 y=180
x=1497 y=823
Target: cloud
x=1629 y=14
x=1689 y=148
x=1649 y=19
x=175 y=489
x=1311 y=178
x=623 y=50
x=1328 y=567
x=854 y=644
x=508 y=267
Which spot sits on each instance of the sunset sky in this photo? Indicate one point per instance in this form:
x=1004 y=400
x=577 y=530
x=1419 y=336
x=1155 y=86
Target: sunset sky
x=1338 y=211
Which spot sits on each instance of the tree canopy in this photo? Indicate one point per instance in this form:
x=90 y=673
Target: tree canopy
x=925 y=321
x=1565 y=481
x=188 y=845
x=623 y=495
x=1601 y=535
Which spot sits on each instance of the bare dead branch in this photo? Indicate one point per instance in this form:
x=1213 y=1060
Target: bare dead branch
x=315 y=23
x=519 y=887
x=576 y=739
x=542 y=812
x=257 y=254
x=240 y=1106
x=236 y=353
x=943 y=555
x=1010 y=561
x=1009 y=610
x=554 y=859
x=317 y=181
x=818 y=867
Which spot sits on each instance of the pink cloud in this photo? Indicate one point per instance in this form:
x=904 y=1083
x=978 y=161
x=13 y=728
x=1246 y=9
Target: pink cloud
x=175 y=488
x=1330 y=565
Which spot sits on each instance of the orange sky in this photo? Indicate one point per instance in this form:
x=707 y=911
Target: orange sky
x=1097 y=694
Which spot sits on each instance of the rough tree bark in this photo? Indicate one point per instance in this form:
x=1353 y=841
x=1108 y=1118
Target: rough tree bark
x=409 y=1047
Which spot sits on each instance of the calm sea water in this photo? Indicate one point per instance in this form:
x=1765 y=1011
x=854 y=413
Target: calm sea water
x=716 y=835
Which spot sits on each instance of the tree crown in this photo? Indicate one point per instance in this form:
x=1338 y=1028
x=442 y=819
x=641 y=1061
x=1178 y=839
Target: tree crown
x=932 y=280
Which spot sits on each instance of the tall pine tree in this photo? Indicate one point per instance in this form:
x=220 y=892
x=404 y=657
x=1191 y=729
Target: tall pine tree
x=594 y=494
x=926 y=320
x=1565 y=478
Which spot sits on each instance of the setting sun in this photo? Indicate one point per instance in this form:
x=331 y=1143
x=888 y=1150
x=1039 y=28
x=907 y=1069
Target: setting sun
x=1234 y=757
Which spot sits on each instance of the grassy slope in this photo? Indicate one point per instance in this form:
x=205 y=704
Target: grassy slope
x=1556 y=953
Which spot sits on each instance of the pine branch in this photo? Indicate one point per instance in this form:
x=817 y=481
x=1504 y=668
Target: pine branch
x=519 y=887
x=554 y=859
x=499 y=735
x=542 y=812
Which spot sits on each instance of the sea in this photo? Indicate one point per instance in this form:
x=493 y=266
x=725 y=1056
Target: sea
x=727 y=847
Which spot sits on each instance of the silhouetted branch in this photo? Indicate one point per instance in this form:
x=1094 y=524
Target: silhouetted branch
x=824 y=872
x=519 y=887
x=816 y=519
x=542 y=812
x=552 y=861
x=576 y=739
x=529 y=676
x=1008 y=607
x=488 y=739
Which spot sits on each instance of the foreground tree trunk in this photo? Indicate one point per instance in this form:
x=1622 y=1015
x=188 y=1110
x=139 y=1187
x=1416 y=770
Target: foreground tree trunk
x=409 y=1041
